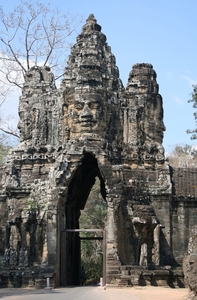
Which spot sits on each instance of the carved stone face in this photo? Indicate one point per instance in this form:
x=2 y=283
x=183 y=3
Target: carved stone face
x=25 y=125
x=85 y=114
x=153 y=124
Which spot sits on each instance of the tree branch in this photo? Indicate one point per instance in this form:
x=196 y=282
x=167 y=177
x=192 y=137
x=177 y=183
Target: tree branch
x=10 y=132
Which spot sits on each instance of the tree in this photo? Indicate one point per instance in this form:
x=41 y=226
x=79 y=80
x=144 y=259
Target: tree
x=32 y=34
x=93 y=216
x=194 y=101
x=95 y=212
x=5 y=146
x=183 y=156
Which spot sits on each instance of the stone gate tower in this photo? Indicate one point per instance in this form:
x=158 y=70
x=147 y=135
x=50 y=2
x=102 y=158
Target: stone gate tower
x=91 y=127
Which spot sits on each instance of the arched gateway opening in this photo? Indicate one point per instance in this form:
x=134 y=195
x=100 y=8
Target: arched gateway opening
x=79 y=189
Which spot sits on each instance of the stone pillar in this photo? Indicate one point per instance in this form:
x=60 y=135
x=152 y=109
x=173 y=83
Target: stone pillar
x=52 y=235
x=143 y=255
x=113 y=270
x=156 y=245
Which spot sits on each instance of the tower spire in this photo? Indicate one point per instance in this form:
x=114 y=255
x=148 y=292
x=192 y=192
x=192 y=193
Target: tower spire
x=91 y=24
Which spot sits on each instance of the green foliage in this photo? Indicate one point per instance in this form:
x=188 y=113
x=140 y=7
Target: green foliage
x=93 y=268
x=93 y=216
x=183 y=156
x=4 y=148
x=33 y=205
x=194 y=101
x=95 y=213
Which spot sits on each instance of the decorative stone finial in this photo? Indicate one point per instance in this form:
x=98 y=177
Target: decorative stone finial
x=91 y=24
x=91 y=18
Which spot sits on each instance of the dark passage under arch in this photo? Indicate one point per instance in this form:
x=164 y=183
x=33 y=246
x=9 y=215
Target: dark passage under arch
x=79 y=189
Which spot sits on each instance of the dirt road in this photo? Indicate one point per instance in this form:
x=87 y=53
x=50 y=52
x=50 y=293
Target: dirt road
x=96 y=293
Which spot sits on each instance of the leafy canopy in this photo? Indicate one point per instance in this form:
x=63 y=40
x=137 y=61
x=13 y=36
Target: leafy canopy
x=194 y=101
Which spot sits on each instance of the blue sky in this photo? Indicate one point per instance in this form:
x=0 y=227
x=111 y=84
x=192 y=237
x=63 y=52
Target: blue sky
x=159 y=32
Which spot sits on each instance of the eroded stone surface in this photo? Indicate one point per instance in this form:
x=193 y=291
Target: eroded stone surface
x=190 y=264
x=91 y=127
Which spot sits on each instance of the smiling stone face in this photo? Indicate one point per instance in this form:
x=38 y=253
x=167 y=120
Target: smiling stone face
x=153 y=120
x=85 y=114
x=25 y=125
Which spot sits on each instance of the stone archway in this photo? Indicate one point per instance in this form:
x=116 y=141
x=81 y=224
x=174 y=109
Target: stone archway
x=79 y=188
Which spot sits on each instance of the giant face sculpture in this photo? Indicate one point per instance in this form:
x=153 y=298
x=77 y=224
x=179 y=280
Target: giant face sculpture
x=85 y=114
x=25 y=125
x=153 y=122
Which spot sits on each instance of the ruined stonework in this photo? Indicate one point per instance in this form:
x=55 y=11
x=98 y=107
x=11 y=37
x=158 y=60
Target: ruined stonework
x=92 y=127
x=190 y=264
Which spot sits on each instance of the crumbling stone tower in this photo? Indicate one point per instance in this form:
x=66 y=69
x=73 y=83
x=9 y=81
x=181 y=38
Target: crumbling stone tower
x=91 y=127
